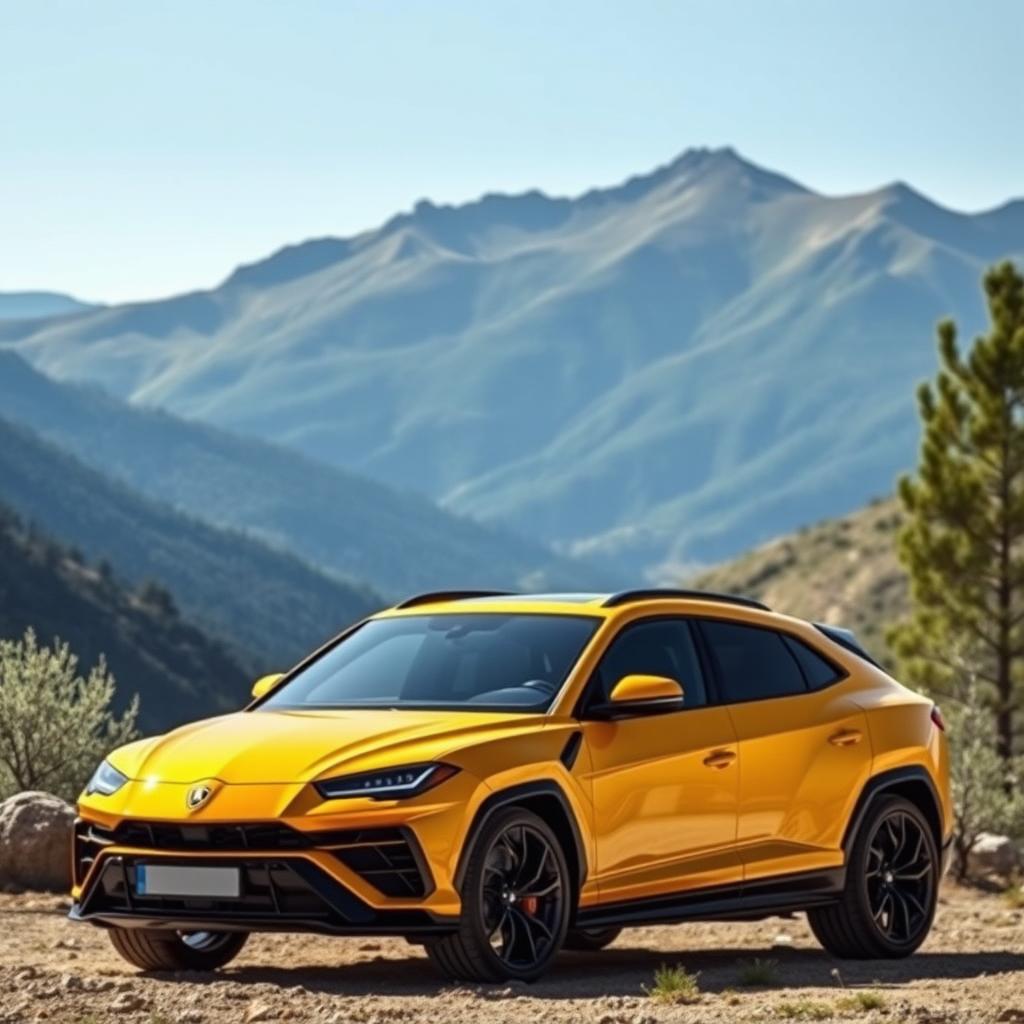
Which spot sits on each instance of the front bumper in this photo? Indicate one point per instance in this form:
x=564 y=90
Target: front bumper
x=278 y=893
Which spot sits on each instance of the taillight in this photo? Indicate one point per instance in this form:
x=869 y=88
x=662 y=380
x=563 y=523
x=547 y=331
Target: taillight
x=940 y=722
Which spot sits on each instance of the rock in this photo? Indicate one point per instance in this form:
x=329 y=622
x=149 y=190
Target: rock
x=189 y=1017
x=992 y=854
x=782 y=941
x=35 y=842
x=126 y=1002
x=71 y=983
x=259 y=1012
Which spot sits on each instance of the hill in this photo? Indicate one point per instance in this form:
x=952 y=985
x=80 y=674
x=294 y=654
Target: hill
x=843 y=571
x=269 y=605
x=334 y=519
x=32 y=305
x=177 y=670
x=669 y=371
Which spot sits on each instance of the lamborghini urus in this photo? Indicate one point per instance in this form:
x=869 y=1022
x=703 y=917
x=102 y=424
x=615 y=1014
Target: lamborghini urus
x=498 y=777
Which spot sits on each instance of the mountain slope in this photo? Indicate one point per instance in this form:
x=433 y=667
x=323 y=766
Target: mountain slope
x=176 y=669
x=271 y=606
x=334 y=519
x=668 y=371
x=34 y=305
x=843 y=571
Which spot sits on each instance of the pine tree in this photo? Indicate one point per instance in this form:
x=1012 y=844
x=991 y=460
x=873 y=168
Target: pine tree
x=963 y=543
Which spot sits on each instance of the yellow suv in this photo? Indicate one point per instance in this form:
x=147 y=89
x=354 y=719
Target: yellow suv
x=499 y=776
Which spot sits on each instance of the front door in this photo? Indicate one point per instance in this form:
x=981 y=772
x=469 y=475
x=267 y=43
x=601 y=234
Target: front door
x=664 y=786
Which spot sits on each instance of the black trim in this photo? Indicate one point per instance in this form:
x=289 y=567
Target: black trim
x=571 y=750
x=879 y=784
x=655 y=593
x=512 y=795
x=761 y=897
x=610 y=711
x=436 y=596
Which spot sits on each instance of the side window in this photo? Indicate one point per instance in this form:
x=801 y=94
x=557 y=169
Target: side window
x=659 y=647
x=753 y=663
x=818 y=672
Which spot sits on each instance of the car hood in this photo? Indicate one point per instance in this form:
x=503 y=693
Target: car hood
x=287 y=746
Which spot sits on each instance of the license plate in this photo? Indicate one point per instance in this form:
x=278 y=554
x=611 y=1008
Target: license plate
x=176 y=880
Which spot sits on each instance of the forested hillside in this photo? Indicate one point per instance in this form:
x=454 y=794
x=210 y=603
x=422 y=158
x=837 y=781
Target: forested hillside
x=178 y=671
x=269 y=606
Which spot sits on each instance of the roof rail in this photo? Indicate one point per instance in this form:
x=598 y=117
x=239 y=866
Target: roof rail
x=625 y=596
x=435 y=596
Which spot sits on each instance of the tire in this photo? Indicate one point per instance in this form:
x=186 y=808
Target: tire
x=517 y=893
x=884 y=912
x=591 y=939
x=154 y=949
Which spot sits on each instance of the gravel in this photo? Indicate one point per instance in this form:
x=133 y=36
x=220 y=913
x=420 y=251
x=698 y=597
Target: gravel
x=969 y=971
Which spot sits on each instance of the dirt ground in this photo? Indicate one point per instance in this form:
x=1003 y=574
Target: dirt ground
x=970 y=970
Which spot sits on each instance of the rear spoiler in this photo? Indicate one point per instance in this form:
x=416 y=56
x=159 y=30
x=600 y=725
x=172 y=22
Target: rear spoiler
x=846 y=638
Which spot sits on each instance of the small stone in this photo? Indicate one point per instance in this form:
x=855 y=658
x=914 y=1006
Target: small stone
x=259 y=1012
x=189 y=1017
x=782 y=940
x=71 y=983
x=125 y=1002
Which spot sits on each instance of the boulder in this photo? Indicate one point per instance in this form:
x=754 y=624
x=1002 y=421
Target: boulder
x=35 y=842
x=992 y=854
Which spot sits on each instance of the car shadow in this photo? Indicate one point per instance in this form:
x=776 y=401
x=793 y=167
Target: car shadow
x=624 y=971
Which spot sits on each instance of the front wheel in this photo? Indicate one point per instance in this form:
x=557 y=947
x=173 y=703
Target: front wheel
x=892 y=879
x=153 y=949
x=515 y=903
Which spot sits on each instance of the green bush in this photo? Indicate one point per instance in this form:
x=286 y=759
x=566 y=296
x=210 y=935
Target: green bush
x=55 y=725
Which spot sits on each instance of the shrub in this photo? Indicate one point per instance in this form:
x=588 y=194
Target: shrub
x=759 y=972
x=55 y=725
x=674 y=985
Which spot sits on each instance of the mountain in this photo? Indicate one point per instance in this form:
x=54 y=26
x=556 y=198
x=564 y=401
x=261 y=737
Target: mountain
x=668 y=371
x=34 y=305
x=843 y=571
x=336 y=520
x=176 y=669
x=271 y=606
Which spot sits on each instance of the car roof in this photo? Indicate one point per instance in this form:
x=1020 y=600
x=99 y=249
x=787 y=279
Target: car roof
x=598 y=604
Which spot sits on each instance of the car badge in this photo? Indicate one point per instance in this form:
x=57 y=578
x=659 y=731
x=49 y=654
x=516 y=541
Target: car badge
x=197 y=796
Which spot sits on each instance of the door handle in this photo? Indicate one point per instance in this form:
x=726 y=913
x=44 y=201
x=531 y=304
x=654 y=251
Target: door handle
x=720 y=759
x=846 y=737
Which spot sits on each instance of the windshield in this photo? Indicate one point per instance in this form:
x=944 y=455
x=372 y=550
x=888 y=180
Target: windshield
x=483 y=662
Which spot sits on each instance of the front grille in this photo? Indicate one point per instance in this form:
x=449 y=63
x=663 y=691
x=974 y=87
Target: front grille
x=388 y=859
x=168 y=836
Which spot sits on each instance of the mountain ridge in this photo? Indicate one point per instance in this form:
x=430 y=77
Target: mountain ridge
x=662 y=372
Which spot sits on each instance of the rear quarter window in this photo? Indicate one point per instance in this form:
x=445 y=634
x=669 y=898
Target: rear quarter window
x=818 y=670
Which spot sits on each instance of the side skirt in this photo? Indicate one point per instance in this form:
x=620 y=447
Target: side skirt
x=761 y=897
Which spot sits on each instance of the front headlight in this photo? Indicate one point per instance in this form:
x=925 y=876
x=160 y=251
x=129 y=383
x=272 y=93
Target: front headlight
x=388 y=784
x=106 y=780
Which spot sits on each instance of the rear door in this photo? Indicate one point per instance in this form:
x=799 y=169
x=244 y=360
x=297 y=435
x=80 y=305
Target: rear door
x=664 y=786
x=803 y=746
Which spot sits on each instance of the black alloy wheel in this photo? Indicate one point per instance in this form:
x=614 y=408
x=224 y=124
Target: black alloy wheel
x=517 y=895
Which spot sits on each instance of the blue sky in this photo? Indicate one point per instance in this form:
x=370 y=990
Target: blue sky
x=147 y=149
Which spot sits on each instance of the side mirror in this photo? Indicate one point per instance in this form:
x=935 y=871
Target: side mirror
x=265 y=684
x=640 y=695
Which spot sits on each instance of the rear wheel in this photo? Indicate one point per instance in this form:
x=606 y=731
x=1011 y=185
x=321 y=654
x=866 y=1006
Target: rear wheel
x=515 y=903
x=892 y=876
x=153 y=949
x=591 y=939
